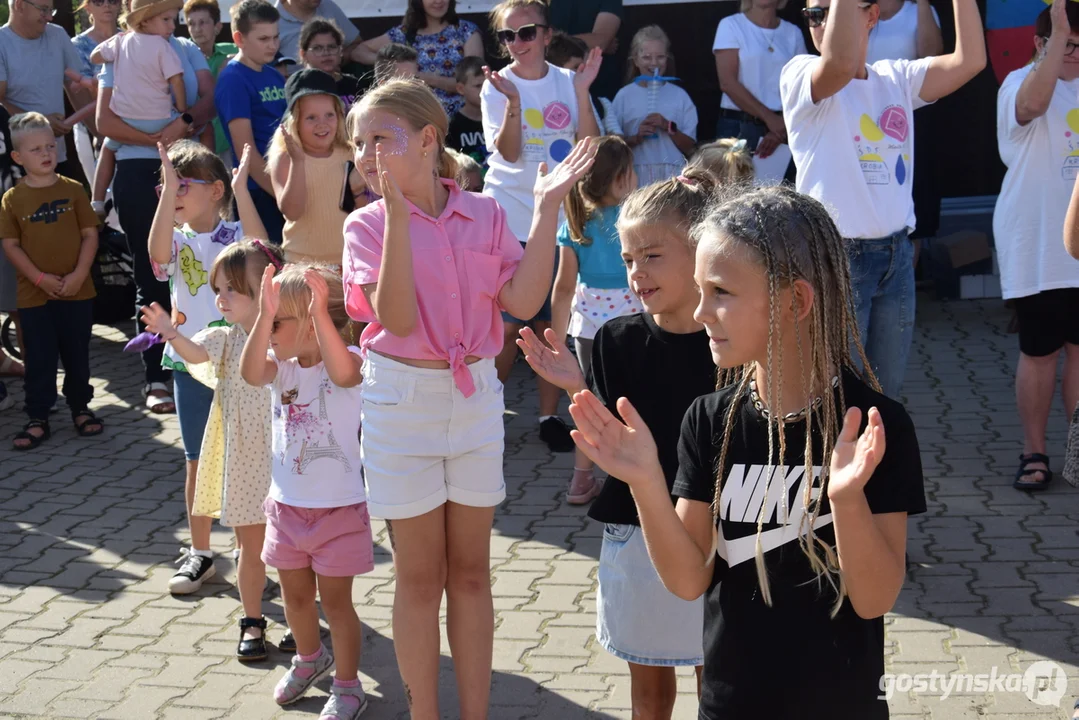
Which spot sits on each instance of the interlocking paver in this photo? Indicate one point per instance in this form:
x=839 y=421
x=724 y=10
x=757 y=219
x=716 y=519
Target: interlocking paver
x=89 y=532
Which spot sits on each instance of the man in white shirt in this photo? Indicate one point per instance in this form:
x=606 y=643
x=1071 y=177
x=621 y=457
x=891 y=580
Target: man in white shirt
x=850 y=131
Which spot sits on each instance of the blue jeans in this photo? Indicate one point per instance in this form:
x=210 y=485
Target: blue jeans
x=882 y=280
x=193 y=401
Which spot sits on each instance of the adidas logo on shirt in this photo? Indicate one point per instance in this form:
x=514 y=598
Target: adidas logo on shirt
x=741 y=500
x=271 y=94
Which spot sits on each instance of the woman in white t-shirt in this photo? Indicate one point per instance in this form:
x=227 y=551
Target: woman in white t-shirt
x=852 y=140
x=659 y=120
x=533 y=113
x=1036 y=132
x=751 y=48
x=907 y=30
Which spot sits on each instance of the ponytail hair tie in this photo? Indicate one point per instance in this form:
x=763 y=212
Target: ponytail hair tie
x=739 y=146
x=686 y=181
x=273 y=259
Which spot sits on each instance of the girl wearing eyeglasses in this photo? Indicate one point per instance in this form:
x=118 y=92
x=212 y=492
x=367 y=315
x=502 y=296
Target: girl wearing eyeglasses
x=532 y=112
x=1036 y=129
x=321 y=43
x=851 y=133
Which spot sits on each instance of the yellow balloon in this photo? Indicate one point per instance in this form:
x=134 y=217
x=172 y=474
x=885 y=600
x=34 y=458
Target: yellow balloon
x=534 y=118
x=870 y=131
x=1072 y=119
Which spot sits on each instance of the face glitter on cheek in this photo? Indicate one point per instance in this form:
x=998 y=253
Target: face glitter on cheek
x=400 y=139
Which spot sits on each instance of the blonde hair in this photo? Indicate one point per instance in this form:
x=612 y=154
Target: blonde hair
x=614 y=160
x=289 y=125
x=465 y=164
x=413 y=102
x=747 y=4
x=500 y=11
x=676 y=204
x=295 y=296
x=728 y=159
x=793 y=238
x=26 y=123
x=646 y=34
x=242 y=264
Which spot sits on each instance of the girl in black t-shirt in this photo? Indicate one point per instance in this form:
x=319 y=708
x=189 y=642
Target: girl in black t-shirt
x=660 y=360
x=799 y=548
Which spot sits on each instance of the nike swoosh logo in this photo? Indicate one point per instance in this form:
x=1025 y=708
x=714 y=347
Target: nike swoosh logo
x=745 y=548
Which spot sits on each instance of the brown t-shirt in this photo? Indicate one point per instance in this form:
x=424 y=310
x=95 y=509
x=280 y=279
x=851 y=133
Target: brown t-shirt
x=48 y=223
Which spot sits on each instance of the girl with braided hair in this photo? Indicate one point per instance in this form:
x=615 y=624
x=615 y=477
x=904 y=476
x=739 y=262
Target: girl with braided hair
x=790 y=515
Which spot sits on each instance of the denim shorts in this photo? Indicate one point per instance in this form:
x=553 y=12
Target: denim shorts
x=192 y=409
x=637 y=619
x=544 y=314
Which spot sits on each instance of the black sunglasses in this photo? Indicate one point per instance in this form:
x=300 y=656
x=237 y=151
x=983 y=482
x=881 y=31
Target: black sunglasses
x=527 y=33
x=816 y=16
x=1069 y=49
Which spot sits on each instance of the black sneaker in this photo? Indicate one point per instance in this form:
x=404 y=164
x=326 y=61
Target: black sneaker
x=555 y=433
x=195 y=570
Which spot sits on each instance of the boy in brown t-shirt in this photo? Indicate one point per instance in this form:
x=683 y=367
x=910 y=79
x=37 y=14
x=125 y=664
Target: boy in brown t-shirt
x=49 y=233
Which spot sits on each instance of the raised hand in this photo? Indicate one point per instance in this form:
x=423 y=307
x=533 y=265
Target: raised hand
x=388 y=187
x=320 y=293
x=854 y=457
x=552 y=360
x=170 y=181
x=269 y=294
x=626 y=451
x=158 y=321
x=502 y=85
x=241 y=172
x=1058 y=15
x=588 y=70
x=293 y=148
x=555 y=186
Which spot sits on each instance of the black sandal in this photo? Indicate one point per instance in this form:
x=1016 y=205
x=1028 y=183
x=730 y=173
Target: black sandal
x=288 y=643
x=1032 y=485
x=35 y=440
x=252 y=649
x=90 y=420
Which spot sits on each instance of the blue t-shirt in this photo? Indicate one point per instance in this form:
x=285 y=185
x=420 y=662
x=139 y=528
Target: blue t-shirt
x=599 y=264
x=257 y=96
x=193 y=61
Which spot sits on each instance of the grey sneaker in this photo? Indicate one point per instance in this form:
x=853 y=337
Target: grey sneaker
x=338 y=709
x=291 y=687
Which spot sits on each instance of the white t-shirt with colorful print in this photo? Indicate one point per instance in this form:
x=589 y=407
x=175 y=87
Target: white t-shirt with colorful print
x=194 y=306
x=855 y=150
x=1043 y=163
x=548 y=119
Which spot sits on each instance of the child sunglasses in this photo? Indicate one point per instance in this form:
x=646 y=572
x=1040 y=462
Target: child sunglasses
x=527 y=33
x=817 y=16
x=181 y=189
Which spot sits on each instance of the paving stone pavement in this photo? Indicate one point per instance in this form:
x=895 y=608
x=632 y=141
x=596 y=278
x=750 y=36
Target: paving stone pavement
x=89 y=530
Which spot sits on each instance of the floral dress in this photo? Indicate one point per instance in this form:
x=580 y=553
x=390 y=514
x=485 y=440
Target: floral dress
x=439 y=54
x=234 y=467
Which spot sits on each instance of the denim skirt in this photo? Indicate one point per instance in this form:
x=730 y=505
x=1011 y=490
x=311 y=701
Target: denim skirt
x=637 y=619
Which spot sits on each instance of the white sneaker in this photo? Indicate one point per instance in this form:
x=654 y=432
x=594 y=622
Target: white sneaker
x=194 y=571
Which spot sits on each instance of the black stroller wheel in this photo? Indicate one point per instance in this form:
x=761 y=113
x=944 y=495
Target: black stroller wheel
x=9 y=338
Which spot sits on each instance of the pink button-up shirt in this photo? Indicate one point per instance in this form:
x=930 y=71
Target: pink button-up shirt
x=460 y=261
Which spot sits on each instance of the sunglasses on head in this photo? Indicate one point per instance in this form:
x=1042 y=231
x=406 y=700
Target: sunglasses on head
x=181 y=189
x=527 y=33
x=817 y=16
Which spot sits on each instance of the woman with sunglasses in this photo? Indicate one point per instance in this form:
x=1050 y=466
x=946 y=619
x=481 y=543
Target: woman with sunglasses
x=751 y=48
x=1036 y=135
x=533 y=113
x=850 y=131
x=440 y=38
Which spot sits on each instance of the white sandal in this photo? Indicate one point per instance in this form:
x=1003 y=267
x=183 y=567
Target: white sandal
x=157 y=403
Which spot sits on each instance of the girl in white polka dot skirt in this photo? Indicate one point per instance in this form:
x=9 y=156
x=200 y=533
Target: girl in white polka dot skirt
x=234 y=473
x=591 y=285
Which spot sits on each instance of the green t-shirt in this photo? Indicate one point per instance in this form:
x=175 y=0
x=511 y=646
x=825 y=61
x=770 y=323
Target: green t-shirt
x=216 y=61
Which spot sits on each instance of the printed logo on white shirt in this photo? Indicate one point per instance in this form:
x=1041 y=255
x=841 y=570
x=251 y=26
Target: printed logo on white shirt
x=883 y=141
x=1071 y=132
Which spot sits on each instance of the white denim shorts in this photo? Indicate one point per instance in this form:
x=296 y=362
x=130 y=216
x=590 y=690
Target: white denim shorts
x=637 y=619
x=424 y=443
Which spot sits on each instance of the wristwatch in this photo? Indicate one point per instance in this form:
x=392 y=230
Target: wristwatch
x=672 y=127
x=186 y=117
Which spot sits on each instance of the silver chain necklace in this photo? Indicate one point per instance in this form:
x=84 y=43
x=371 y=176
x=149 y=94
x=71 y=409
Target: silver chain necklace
x=758 y=403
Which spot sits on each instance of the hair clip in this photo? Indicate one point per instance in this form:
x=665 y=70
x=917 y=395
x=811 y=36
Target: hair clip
x=739 y=146
x=686 y=181
x=273 y=260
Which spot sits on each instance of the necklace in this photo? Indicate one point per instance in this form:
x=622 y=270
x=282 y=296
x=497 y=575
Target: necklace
x=791 y=416
x=768 y=33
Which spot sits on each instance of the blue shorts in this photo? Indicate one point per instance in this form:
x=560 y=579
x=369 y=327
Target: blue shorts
x=193 y=410
x=544 y=314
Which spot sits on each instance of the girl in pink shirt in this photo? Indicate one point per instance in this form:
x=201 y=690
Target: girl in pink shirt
x=430 y=268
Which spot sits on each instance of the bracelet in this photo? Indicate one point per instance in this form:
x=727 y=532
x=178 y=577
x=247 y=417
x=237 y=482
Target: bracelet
x=37 y=283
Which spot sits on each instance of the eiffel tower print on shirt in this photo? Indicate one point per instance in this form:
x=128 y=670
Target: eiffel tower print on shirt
x=312 y=450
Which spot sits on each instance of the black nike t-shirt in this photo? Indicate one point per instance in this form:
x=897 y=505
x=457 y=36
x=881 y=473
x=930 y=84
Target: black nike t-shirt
x=661 y=373
x=791 y=660
x=466 y=135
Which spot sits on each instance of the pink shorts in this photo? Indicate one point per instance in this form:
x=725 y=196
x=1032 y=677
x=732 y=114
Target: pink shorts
x=335 y=542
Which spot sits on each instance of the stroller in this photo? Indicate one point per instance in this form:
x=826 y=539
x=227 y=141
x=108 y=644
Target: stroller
x=114 y=279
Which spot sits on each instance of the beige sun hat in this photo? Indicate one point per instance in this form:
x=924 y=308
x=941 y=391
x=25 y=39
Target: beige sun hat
x=145 y=9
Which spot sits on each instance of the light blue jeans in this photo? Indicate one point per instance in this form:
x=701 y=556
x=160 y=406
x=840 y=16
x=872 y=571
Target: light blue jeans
x=882 y=280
